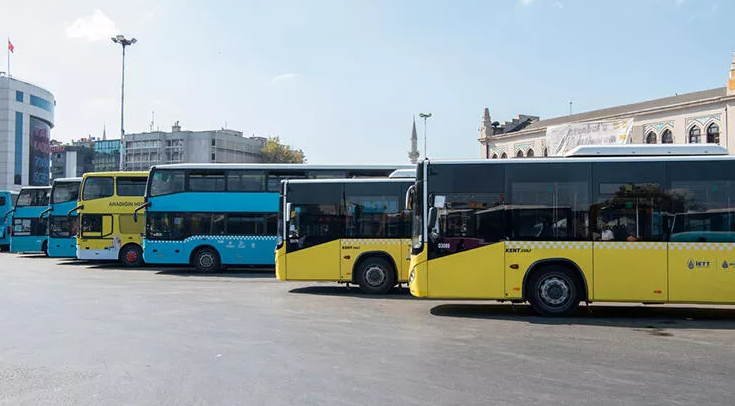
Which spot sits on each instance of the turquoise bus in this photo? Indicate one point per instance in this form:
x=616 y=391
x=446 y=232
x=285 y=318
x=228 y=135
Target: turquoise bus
x=29 y=231
x=63 y=226
x=215 y=215
x=7 y=202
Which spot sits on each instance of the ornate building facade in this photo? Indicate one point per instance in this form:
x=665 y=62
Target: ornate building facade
x=706 y=116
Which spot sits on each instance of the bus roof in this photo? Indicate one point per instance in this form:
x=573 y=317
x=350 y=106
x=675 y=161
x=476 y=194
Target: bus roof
x=404 y=173
x=65 y=180
x=35 y=188
x=530 y=161
x=116 y=174
x=351 y=180
x=646 y=150
x=276 y=166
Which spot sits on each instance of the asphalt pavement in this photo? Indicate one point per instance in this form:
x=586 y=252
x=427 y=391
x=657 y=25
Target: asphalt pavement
x=79 y=334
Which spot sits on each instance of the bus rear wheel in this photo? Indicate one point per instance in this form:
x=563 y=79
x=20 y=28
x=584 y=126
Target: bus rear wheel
x=554 y=291
x=206 y=260
x=131 y=256
x=375 y=276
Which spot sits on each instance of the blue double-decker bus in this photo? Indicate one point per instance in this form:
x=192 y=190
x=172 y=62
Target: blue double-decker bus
x=215 y=215
x=29 y=228
x=62 y=225
x=7 y=202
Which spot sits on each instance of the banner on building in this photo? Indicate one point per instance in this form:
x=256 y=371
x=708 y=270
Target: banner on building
x=40 y=149
x=561 y=139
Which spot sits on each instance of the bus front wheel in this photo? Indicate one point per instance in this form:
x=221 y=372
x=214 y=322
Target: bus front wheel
x=375 y=275
x=131 y=255
x=554 y=291
x=206 y=260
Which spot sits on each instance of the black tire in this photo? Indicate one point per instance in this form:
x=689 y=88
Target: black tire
x=206 y=260
x=4 y=248
x=555 y=291
x=131 y=256
x=44 y=248
x=375 y=276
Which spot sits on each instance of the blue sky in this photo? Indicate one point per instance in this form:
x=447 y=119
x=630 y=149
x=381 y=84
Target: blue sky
x=342 y=79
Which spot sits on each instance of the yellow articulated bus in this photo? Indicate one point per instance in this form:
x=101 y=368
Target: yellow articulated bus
x=643 y=224
x=344 y=230
x=108 y=231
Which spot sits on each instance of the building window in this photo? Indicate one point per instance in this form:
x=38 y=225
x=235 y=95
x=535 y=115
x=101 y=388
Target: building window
x=713 y=134
x=42 y=103
x=19 y=96
x=666 y=137
x=546 y=152
x=519 y=154
x=504 y=156
x=213 y=142
x=495 y=156
x=213 y=157
x=651 y=138
x=695 y=135
x=530 y=153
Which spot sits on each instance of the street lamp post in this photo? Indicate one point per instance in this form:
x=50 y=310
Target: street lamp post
x=425 y=116
x=120 y=39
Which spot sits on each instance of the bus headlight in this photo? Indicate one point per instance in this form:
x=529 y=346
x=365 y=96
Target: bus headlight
x=412 y=275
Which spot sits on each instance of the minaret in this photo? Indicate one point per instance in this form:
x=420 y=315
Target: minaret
x=104 y=133
x=486 y=129
x=413 y=154
x=731 y=81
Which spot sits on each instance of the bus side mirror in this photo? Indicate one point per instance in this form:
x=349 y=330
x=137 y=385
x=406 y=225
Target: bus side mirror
x=409 y=197
x=288 y=212
x=432 y=217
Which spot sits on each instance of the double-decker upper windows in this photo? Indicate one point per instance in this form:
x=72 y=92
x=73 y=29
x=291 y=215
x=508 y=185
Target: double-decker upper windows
x=206 y=181
x=98 y=188
x=65 y=192
x=131 y=186
x=167 y=181
x=33 y=197
x=245 y=181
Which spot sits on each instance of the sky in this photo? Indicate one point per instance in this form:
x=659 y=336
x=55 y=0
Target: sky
x=343 y=79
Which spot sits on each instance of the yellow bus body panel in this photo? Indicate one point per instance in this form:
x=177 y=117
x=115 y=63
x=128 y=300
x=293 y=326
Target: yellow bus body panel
x=473 y=274
x=702 y=272
x=351 y=250
x=418 y=266
x=281 y=263
x=316 y=263
x=631 y=271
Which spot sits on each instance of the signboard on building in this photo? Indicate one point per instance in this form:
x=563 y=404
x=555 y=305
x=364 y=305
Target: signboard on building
x=40 y=148
x=560 y=139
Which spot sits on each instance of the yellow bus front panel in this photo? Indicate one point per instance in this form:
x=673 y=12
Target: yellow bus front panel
x=418 y=275
x=630 y=271
x=315 y=263
x=702 y=272
x=472 y=274
x=281 y=262
x=354 y=249
x=520 y=256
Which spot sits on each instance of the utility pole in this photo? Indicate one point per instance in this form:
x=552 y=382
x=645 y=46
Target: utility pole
x=120 y=39
x=425 y=116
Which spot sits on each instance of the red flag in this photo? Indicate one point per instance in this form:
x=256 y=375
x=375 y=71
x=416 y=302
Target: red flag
x=11 y=47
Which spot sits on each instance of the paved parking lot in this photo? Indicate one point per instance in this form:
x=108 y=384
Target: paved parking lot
x=82 y=334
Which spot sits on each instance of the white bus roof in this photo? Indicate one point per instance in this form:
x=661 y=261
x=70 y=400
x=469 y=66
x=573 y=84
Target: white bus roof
x=646 y=150
x=277 y=166
x=35 y=188
x=404 y=173
x=350 y=180
x=67 y=180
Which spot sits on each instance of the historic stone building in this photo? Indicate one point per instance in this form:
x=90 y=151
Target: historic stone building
x=706 y=116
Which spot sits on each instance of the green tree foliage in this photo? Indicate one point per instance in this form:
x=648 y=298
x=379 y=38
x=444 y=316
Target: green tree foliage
x=275 y=152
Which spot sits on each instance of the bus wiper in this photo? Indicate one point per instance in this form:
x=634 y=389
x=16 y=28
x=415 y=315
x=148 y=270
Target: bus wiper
x=68 y=215
x=139 y=208
x=44 y=212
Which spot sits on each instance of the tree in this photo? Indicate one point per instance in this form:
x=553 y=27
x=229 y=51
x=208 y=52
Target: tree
x=275 y=152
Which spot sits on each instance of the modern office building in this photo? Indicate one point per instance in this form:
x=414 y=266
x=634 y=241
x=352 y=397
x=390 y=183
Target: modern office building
x=106 y=155
x=26 y=120
x=706 y=116
x=69 y=161
x=144 y=150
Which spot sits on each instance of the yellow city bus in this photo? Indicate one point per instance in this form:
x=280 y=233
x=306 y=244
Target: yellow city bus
x=108 y=231
x=344 y=230
x=645 y=224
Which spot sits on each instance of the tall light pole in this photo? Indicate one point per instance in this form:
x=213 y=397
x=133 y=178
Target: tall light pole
x=120 y=39
x=425 y=116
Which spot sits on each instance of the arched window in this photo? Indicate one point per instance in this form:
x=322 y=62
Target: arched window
x=530 y=153
x=695 y=135
x=504 y=156
x=666 y=137
x=519 y=154
x=651 y=138
x=546 y=152
x=495 y=156
x=713 y=134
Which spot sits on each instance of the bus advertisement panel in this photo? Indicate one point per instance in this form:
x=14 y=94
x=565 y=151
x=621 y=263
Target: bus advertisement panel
x=347 y=231
x=215 y=215
x=107 y=227
x=62 y=228
x=29 y=229
x=554 y=232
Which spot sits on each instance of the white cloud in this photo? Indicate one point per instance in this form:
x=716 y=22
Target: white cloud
x=286 y=76
x=525 y=3
x=94 y=27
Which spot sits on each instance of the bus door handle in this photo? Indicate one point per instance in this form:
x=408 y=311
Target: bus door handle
x=44 y=212
x=139 y=208
x=68 y=215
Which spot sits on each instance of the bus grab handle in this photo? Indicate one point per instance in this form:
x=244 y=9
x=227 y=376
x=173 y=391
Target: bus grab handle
x=44 y=212
x=139 y=208
x=68 y=215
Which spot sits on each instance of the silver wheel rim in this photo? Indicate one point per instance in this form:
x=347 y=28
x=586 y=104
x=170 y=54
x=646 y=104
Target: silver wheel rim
x=375 y=275
x=206 y=260
x=555 y=291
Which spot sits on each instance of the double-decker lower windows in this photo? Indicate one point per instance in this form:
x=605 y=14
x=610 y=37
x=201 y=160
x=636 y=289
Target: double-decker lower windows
x=178 y=226
x=96 y=225
x=61 y=227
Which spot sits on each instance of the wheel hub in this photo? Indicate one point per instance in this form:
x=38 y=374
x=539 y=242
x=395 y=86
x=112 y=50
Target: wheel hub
x=206 y=260
x=555 y=291
x=375 y=275
x=131 y=256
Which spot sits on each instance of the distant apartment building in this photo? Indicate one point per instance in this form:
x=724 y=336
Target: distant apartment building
x=143 y=150
x=84 y=155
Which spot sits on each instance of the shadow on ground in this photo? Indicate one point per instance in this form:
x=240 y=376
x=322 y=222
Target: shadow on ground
x=252 y=273
x=393 y=294
x=654 y=320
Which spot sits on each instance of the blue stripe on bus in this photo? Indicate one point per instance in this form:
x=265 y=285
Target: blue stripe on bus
x=62 y=247
x=27 y=243
x=215 y=202
x=233 y=250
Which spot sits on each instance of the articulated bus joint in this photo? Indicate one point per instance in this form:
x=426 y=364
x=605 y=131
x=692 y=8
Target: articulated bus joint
x=139 y=208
